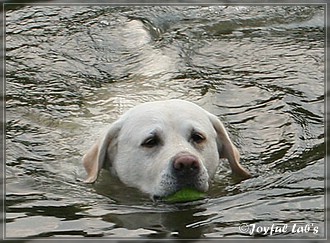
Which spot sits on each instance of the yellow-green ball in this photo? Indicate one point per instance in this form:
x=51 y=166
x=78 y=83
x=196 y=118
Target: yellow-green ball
x=185 y=195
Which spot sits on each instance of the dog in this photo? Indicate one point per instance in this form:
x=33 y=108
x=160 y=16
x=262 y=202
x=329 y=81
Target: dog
x=162 y=147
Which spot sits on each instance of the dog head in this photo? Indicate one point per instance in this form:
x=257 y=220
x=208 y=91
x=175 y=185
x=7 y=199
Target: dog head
x=162 y=147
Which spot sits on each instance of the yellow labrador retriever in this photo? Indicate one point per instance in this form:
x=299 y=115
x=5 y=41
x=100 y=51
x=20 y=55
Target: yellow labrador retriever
x=161 y=147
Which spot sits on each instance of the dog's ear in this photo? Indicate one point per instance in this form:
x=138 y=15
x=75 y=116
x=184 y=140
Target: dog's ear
x=227 y=149
x=96 y=158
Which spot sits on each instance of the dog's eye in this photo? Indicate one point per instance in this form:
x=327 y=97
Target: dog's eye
x=197 y=137
x=150 y=142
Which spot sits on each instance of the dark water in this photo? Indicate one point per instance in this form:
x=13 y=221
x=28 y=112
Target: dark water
x=71 y=70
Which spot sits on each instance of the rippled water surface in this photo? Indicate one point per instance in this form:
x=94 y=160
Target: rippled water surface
x=72 y=70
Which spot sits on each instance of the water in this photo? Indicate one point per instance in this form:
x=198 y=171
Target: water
x=72 y=70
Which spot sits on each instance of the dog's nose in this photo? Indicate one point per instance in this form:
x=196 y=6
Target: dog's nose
x=186 y=165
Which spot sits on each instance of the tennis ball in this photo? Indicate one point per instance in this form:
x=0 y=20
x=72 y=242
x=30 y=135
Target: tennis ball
x=184 y=195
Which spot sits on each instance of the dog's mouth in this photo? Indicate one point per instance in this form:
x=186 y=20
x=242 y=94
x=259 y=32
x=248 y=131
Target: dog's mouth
x=173 y=188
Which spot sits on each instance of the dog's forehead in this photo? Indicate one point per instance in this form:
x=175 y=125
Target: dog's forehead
x=165 y=111
x=163 y=115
